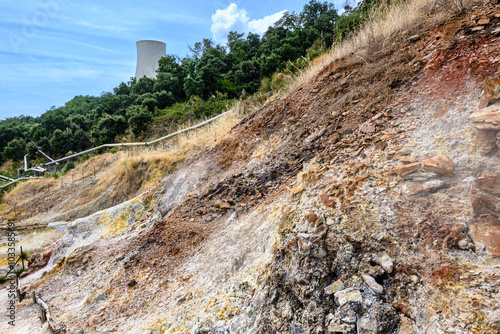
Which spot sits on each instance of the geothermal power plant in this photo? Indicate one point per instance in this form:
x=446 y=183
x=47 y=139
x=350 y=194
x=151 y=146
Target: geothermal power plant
x=148 y=55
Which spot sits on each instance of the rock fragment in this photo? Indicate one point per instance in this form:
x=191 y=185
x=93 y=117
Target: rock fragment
x=489 y=235
x=487 y=118
x=367 y=127
x=372 y=283
x=385 y=261
x=482 y=204
x=297 y=190
x=405 y=170
x=225 y=205
x=312 y=217
x=440 y=164
x=486 y=140
x=489 y=184
x=348 y=295
x=334 y=287
x=492 y=88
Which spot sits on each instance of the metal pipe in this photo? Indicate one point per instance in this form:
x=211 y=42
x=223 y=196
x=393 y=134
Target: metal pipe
x=139 y=144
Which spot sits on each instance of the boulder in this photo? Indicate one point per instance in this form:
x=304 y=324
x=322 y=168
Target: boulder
x=487 y=118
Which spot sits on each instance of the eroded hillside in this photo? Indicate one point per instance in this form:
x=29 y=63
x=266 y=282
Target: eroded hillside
x=343 y=206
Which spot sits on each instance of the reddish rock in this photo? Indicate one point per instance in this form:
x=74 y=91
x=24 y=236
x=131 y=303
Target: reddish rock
x=325 y=199
x=225 y=205
x=367 y=127
x=486 y=140
x=423 y=202
x=489 y=235
x=489 y=220
x=483 y=102
x=482 y=204
x=312 y=217
x=407 y=160
x=362 y=177
x=483 y=21
x=406 y=169
x=439 y=164
x=489 y=184
x=487 y=118
x=39 y=260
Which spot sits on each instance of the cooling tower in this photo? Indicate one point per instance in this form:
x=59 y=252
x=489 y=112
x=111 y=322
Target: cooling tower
x=148 y=55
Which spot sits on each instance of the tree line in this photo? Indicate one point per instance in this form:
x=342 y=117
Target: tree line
x=185 y=88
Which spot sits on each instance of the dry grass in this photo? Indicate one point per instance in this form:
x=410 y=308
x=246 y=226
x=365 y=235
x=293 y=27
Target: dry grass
x=402 y=18
x=120 y=176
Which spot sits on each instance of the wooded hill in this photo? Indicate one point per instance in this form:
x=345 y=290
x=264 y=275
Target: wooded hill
x=186 y=89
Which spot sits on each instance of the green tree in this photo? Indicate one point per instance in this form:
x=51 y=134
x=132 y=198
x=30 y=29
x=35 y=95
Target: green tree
x=14 y=150
x=138 y=118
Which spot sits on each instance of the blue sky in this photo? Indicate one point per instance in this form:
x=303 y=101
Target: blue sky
x=53 y=50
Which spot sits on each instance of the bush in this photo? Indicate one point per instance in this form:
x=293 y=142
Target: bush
x=67 y=167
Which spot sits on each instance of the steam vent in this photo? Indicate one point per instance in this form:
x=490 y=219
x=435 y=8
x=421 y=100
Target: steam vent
x=148 y=55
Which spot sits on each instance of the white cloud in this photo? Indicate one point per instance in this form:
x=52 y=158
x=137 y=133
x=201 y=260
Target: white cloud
x=229 y=19
x=260 y=26
x=234 y=19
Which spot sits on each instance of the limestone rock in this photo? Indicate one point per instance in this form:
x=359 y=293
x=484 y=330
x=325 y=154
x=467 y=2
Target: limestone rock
x=489 y=184
x=440 y=164
x=489 y=235
x=482 y=204
x=487 y=118
x=372 y=283
x=334 y=327
x=486 y=140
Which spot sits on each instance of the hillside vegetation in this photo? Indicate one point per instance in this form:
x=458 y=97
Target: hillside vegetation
x=186 y=89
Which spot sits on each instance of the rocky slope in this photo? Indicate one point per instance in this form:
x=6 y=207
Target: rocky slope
x=359 y=202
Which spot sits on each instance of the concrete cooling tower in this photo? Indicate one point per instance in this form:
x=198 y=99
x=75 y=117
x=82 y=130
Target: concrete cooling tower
x=148 y=55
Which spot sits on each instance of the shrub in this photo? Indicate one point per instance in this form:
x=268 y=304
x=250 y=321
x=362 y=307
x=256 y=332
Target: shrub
x=67 y=167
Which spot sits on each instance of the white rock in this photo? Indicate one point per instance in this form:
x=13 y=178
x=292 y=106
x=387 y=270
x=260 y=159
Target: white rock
x=463 y=244
x=334 y=287
x=374 y=286
x=348 y=295
x=385 y=262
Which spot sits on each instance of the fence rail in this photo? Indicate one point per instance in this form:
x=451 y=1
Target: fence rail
x=19 y=179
